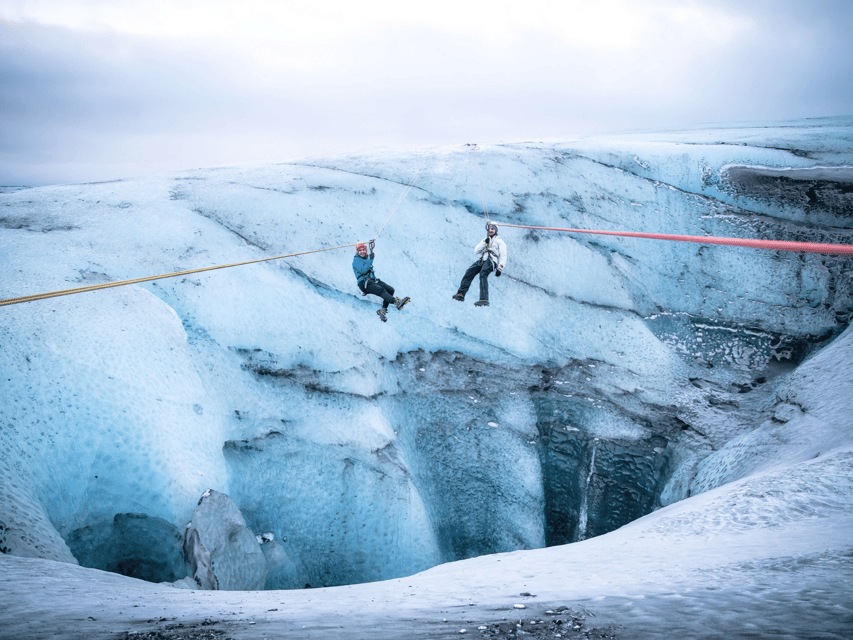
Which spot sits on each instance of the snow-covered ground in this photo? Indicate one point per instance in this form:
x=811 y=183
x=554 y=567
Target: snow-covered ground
x=770 y=556
x=712 y=384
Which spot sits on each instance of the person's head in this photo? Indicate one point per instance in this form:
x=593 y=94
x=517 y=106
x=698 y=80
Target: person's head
x=361 y=249
x=493 y=229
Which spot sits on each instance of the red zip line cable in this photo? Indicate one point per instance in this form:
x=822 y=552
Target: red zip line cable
x=778 y=245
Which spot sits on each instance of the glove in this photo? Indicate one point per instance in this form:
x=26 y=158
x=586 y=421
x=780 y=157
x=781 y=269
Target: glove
x=487 y=241
x=498 y=273
x=370 y=246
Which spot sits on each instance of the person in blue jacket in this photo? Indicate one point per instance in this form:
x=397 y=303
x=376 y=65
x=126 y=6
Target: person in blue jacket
x=362 y=266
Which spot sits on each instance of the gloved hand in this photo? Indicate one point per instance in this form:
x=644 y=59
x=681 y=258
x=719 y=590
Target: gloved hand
x=498 y=273
x=370 y=246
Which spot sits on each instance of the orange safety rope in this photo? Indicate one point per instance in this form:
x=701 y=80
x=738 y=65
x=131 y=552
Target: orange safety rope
x=779 y=245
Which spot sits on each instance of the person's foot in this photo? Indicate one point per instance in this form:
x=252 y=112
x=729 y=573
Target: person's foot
x=481 y=303
x=381 y=314
x=459 y=296
x=401 y=303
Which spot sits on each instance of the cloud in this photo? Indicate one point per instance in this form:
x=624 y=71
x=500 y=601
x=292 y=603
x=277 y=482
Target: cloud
x=101 y=90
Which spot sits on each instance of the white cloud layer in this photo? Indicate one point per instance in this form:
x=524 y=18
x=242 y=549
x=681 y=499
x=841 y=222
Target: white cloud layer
x=98 y=90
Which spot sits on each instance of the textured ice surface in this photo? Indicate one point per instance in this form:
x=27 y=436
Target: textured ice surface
x=138 y=546
x=809 y=418
x=220 y=544
x=598 y=386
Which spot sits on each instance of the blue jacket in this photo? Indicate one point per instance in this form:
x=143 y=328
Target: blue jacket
x=363 y=269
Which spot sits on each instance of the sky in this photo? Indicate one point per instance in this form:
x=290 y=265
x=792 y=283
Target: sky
x=94 y=90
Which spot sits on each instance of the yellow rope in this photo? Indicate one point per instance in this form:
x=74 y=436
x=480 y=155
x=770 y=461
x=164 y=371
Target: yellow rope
x=107 y=285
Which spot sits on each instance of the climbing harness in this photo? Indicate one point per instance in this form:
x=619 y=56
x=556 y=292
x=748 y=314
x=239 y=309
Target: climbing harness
x=778 y=245
x=119 y=283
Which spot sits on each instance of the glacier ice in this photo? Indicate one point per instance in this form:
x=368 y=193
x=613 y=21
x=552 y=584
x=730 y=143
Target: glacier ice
x=135 y=545
x=225 y=553
x=610 y=376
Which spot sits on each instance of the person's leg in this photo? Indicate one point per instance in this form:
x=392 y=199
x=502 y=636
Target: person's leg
x=374 y=287
x=484 y=279
x=387 y=288
x=397 y=302
x=468 y=278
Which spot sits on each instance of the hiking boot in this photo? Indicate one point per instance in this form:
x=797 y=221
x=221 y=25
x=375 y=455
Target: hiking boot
x=459 y=296
x=381 y=314
x=481 y=303
x=401 y=303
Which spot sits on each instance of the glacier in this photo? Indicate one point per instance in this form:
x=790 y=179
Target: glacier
x=702 y=390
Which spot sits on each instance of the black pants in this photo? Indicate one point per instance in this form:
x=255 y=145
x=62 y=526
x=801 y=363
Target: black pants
x=378 y=288
x=484 y=268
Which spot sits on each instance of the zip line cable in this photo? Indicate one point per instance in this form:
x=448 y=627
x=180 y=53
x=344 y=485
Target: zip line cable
x=119 y=283
x=401 y=198
x=779 y=245
x=474 y=148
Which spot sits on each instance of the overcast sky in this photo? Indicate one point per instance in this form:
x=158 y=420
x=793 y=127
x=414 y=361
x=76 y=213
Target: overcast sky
x=101 y=89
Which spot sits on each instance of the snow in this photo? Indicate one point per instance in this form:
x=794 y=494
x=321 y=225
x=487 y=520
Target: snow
x=419 y=457
x=743 y=560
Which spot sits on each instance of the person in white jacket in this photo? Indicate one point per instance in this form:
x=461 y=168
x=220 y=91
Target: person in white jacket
x=492 y=252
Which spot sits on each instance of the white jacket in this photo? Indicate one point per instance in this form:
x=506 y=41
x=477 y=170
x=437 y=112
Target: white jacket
x=496 y=251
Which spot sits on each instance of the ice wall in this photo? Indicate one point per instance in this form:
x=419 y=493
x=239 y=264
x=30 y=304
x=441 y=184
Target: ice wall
x=605 y=380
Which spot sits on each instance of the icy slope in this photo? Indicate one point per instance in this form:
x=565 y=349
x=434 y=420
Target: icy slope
x=766 y=556
x=608 y=378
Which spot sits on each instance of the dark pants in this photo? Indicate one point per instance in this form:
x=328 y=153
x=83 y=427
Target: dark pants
x=378 y=288
x=484 y=268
